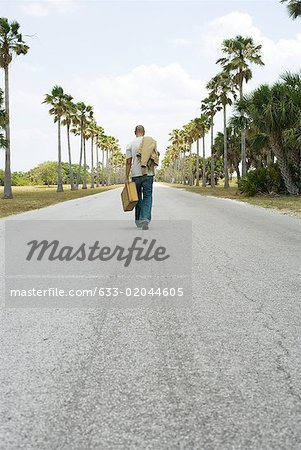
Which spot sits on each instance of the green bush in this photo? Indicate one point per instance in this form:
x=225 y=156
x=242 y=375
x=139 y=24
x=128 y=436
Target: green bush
x=20 y=179
x=265 y=180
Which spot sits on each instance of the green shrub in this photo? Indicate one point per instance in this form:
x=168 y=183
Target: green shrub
x=19 y=179
x=265 y=180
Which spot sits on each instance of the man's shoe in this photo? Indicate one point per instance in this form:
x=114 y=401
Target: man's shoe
x=144 y=225
x=138 y=224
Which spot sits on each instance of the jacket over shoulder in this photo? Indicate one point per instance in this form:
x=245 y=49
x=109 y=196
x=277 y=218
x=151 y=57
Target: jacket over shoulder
x=148 y=154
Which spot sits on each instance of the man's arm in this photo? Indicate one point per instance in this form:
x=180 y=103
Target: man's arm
x=128 y=165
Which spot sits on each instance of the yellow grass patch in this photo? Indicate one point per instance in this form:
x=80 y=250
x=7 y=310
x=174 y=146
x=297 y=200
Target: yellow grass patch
x=286 y=204
x=27 y=198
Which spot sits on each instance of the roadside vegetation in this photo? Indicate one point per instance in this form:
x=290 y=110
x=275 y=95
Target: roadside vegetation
x=27 y=198
x=285 y=204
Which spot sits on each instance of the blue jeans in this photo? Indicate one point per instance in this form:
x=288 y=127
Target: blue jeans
x=143 y=210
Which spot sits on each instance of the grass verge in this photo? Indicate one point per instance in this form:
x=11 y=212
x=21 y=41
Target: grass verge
x=286 y=204
x=27 y=198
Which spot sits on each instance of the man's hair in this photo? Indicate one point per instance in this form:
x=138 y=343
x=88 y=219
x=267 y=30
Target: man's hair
x=139 y=129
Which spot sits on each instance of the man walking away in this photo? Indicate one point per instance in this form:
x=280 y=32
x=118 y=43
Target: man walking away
x=142 y=157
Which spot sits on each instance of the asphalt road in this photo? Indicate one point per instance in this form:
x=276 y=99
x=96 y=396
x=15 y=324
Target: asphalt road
x=222 y=373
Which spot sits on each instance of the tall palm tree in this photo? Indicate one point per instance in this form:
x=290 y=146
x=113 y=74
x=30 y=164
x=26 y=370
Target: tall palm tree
x=189 y=139
x=118 y=161
x=234 y=141
x=69 y=116
x=11 y=43
x=110 y=146
x=239 y=53
x=103 y=145
x=98 y=140
x=92 y=130
x=222 y=84
x=210 y=107
x=294 y=8
x=200 y=130
x=83 y=116
x=177 y=140
x=57 y=100
x=205 y=125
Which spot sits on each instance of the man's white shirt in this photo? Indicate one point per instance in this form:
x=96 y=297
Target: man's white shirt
x=131 y=152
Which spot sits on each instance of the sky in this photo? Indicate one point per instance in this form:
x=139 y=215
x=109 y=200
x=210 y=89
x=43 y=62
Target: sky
x=136 y=62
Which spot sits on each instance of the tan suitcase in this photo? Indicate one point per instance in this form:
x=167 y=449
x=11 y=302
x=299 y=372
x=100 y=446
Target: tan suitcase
x=129 y=196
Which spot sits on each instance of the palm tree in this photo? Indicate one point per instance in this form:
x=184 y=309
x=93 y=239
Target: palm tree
x=103 y=144
x=294 y=8
x=210 y=107
x=57 y=100
x=275 y=111
x=200 y=130
x=189 y=139
x=198 y=135
x=83 y=116
x=109 y=144
x=118 y=161
x=177 y=140
x=92 y=130
x=98 y=141
x=204 y=125
x=69 y=116
x=11 y=43
x=240 y=52
x=234 y=143
x=222 y=84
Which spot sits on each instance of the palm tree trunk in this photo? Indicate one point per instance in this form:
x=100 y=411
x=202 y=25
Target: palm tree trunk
x=85 y=167
x=270 y=157
x=109 y=169
x=243 y=136
x=191 y=181
x=204 y=181
x=59 y=175
x=237 y=172
x=226 y=182
x=7 y=176
x=243 y=151
x=183 y=168
x=197 y=162
x=212 y=181
x=290 y=185
x=70 y=159
x=179 y=169
x=103 y=167
x=92 y=164
x=80 y=161
x=97 y=166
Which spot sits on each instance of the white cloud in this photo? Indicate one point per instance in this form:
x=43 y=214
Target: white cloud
x=278 y=56
x=35 y=9
x=225 y=27
x=180 y=42
x=161 y=98
x=43 y=8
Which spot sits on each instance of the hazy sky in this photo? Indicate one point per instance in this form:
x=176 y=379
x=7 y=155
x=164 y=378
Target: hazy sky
x=134 y=61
